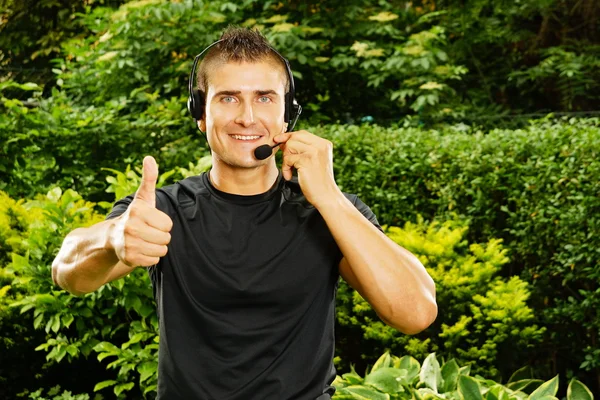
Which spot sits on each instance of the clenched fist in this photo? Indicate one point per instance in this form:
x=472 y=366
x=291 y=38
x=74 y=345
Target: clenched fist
x=140 y=236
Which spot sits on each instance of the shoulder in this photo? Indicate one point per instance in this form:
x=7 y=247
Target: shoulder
x=168 y=198
x=183 y=191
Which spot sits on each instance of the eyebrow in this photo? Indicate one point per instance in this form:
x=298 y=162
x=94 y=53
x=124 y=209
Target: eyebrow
x=236 y=92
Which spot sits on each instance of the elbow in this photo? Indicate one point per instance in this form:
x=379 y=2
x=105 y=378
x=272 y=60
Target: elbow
x=60 y=279
x=423 y=316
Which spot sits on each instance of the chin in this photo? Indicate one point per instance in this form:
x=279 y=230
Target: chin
x=243 y=162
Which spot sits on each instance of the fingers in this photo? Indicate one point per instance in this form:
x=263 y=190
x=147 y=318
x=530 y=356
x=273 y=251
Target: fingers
x=146 y=191
x=150 y=216
x=138 y=252
x=153 y=235
x=300 y=136
x=158 y=219
x=295 y=147
x=289 y=162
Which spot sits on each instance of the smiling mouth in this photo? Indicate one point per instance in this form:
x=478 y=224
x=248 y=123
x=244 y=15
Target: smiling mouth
x=245 y=137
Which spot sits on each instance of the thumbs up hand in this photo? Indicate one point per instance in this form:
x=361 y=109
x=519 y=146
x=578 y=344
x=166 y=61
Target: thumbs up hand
x=141 y=234
x=147 y=189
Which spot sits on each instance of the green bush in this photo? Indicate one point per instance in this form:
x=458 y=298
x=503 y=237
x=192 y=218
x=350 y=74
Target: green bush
x=394 y=378
x=78 y=327
x=535 y=188
x=483 y=319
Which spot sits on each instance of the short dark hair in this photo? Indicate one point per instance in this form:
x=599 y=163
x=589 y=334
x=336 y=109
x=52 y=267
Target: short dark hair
x=238 y=45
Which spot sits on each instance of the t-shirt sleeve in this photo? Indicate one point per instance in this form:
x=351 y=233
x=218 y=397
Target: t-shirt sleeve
x=366 y=211
x=120 y=207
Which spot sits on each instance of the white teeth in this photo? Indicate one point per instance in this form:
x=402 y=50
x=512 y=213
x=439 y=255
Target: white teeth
x=240 y=137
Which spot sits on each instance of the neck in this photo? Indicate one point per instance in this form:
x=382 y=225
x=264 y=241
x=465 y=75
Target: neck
x=243 y=181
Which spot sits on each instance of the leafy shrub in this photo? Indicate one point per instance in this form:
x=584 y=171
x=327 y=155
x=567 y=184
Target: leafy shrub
x=80 y=326
x=535 y=188
x=394 y=378
x=53 y=394
x=483 y=319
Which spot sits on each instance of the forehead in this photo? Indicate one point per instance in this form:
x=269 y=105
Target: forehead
x=247 y=76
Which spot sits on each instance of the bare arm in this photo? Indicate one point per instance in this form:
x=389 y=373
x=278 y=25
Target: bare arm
x=86 y=260
x=90 y=257
x=388 y=276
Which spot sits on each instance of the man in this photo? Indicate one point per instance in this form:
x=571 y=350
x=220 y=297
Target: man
x=244 y=260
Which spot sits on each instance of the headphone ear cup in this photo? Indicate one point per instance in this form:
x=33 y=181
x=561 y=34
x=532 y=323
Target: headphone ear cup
x=287 y=116
x=294 y=111
x=196 y=104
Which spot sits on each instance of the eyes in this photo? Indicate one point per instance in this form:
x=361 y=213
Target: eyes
x=260 y=99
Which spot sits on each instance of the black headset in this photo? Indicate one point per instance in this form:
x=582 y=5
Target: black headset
x=196 y=99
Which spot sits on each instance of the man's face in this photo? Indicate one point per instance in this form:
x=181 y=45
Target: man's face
x=244 y=109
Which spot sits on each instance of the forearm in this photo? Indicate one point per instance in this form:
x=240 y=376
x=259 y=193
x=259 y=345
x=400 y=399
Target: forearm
x=388 y=276
x=85 y=259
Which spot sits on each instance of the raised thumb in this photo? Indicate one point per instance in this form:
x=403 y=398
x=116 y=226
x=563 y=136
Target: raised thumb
x=146 y=191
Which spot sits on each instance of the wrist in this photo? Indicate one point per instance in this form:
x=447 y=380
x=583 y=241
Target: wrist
x=332 y=201
x=110 y=235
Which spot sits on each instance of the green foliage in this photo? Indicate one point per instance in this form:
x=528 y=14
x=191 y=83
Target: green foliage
x=481 y=316
x=532 y=188
x=119 y=88
x=53 y=394
x=573 y=73
x=121 y=312
x=394 y=378
x=67 y=144
x=118 y=93
x=535 y=188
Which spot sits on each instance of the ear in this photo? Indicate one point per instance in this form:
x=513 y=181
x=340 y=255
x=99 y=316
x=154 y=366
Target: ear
x=202 y=125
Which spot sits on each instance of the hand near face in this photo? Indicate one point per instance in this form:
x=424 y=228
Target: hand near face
x=312 y=157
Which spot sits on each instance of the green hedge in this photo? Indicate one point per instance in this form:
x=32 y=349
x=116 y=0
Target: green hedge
x=536 y=188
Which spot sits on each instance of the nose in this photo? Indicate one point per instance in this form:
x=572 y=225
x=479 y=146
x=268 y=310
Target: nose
x=245 y=116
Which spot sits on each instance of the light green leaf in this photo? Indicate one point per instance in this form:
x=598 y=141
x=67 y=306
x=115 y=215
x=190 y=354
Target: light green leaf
x=146 y=370
x=525 y=385
x=450 y=372
x=364 y=393
x=103 y=384
x=54 y=194
x=430 y=373
x=520 y=374
x=123 y=387
x=411 y=365
x=578 y=391
x=38 y=321
x=383 y=362
x=56 y=323
x=468 y=388
x=548 y=388
x=386 y=380
x=352 y=377
x=106 y=347
x=30 y=86
x=67 y=320
x=428 y=394
x=72 y=350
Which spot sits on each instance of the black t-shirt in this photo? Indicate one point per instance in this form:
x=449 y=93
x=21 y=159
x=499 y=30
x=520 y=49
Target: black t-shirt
x=246 y=294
